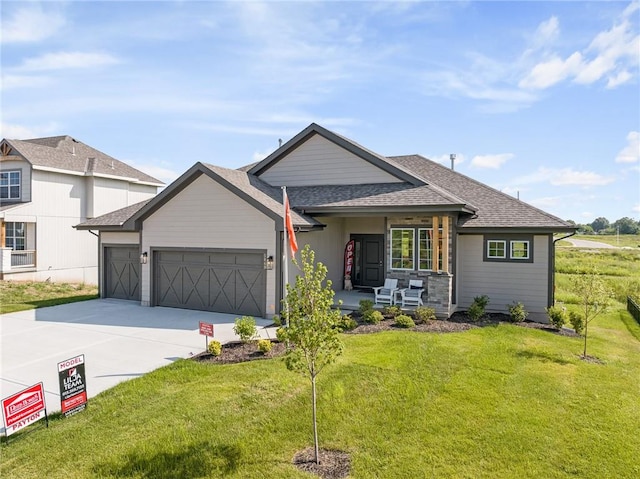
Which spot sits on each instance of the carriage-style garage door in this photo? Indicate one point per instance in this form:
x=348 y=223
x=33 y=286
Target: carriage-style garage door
x=122 y=272
x=222 y=281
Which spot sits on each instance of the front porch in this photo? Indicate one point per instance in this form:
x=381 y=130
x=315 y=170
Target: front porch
x=17 y=261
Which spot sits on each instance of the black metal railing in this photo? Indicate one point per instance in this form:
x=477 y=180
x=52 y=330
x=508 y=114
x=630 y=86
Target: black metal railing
x=633 y=308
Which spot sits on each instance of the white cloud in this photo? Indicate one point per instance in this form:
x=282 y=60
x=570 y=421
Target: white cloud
x=67 y=60
x=631 y=152
x=612 y=54
x=30 y=24
x=261 y=155
x=21 y=132
x=547 y=32
x=565 y=177
x=22 y=81
x=636 y=208
x=491 y=161
x=166 y=175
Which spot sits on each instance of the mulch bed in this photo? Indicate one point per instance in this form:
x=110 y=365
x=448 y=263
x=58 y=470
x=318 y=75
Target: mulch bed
x=333 y=464
x=238 y=352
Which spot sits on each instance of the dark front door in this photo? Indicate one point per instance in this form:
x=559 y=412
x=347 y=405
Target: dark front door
x=369 y=260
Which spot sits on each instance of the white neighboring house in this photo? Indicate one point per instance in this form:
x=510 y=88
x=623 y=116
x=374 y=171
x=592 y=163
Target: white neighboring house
x=48 y=185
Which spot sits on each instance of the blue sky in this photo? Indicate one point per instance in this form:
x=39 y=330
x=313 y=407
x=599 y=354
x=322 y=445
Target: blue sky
x=537 y=99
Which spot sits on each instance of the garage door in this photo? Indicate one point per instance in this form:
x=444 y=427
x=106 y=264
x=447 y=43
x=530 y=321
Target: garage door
x=122 y=272
x=225 y=282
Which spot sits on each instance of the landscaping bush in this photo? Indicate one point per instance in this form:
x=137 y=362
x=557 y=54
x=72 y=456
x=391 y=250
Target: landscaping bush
x=391 y=311
x=517 y=312
x=245 y=327
x=477 y=308
x=577 y=321
x=424 y=314
x=214 y=347
x=373 y=316
x=264 y=346
x=557 y=316
x=365 y=305
x=346 y=323
x=404 y=321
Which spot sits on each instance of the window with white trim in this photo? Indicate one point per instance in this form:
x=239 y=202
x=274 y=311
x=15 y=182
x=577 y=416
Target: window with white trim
x=15 y=235
x=10 y=185
x=496 y=249
x=403 y=248
x=425 y=249
x=519 y=249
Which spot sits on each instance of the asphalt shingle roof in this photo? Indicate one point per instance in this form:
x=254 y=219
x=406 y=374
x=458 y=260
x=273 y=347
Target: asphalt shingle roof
x=113 y=218
x=66 y=153
x=494 y=209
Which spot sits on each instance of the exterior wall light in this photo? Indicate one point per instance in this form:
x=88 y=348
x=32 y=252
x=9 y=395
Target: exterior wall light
x=143 y=258
x=268 y=264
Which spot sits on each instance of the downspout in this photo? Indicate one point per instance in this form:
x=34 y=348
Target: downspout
x=552 y=272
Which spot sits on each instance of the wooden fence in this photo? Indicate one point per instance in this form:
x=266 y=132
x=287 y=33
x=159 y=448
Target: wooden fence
x=633 y=308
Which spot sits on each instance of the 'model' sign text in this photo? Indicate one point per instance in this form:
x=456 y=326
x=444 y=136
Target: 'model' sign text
x=24 y=408
x=73 y=386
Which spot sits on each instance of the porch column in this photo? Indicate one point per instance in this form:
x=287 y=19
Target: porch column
x=436 y=244
x=445 y=244
x=5 y=259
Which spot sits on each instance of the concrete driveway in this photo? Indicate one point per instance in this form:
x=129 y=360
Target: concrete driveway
x=120 y=340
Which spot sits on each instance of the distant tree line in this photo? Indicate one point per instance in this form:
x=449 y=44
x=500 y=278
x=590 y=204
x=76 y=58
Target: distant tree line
x=601 y=226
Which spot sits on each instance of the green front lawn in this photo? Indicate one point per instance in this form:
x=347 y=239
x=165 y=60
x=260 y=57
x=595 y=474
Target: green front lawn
x=18 y=296
x=496 y=402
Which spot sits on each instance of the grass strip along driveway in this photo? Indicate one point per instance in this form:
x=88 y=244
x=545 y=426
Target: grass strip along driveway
x=20 y=296
x=495 y=402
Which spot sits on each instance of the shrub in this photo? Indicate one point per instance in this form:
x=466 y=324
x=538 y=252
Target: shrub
x=214 y=348
x=423 y=313
x=264 y=346
x=365 y=305
x=281 y=334
x=346 y=323
x=392 y=311
x=404 y=321
x=577 y=321
x=373 y=316
x=517 y=312
x=557 y=316
x=245 y=327
x=476 y=310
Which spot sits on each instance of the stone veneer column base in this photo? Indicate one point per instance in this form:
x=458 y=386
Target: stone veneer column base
x=439 y=294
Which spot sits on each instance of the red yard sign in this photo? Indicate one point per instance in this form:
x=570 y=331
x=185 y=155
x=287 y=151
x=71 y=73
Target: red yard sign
x=24 y=408
x=206 y=329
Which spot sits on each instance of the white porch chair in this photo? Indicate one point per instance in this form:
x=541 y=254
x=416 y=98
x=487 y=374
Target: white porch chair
x=387 y=292
x=412 y=296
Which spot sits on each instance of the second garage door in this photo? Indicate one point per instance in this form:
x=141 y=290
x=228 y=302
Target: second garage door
x=221 y=281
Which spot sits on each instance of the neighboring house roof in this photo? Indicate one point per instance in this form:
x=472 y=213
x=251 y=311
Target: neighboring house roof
x=68 y=154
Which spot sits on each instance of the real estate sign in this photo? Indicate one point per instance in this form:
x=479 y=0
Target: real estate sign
x=73 y=385
x=24 y=408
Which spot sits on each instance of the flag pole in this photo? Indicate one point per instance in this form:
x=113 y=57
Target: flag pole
x=285 y=259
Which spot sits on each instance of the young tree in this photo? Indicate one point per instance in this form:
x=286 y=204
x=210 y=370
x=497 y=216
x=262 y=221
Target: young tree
x=594 y=295
x=311 y=335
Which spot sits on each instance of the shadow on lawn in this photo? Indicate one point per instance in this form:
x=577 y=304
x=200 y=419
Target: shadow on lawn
x=196 y=460
x=544 y=356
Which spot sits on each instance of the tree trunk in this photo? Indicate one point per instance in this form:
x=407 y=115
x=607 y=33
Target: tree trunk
x=586 y=326
x=315 y=421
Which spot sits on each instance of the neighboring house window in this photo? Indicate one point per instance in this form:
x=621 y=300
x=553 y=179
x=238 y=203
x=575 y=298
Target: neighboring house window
x=519 y=249
x=509 y=248
x=10 y=185
x=15 y=234
x=402 y=248
x=496 y=249
x=425 y=249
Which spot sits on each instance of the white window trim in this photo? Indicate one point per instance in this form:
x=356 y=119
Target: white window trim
x=9 y=184
x=504 y=243
x=413 y=249
x=519 y=258
x=441 y=239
